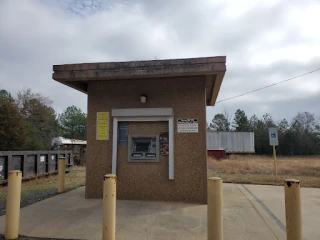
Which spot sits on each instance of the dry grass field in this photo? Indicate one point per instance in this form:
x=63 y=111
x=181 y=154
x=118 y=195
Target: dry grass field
x=259 y=169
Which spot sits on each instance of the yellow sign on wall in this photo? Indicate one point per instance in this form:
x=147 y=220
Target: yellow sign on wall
x=102 y=125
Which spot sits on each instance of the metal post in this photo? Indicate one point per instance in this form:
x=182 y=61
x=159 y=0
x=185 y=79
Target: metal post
x=214 y=212
x=275 y=163
x=109 y=207
x=61 y=174
x=13 y=205
x=293 y=209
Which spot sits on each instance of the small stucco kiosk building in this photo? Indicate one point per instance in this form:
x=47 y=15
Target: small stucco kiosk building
x=147 y=124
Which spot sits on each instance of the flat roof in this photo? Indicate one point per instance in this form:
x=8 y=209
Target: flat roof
x=78 y=75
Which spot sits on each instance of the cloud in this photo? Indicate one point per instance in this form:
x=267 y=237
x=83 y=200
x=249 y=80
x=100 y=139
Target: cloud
x=264 y=41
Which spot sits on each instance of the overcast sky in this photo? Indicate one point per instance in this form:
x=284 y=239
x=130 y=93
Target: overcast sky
x=264 y=41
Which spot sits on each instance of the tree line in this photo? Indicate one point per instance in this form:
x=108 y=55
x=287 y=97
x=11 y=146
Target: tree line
x=29 y=122
x=299 y=136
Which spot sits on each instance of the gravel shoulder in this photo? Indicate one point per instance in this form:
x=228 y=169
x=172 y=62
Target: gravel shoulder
x=36 y=190
x=33 y=238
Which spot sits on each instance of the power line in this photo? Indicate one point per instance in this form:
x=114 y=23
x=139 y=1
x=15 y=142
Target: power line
x=271 y=85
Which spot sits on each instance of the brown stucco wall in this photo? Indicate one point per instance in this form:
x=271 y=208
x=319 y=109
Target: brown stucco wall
x=186 y=95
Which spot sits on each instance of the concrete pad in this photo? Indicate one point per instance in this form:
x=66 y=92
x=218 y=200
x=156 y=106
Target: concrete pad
x=273 y=198
x=241 y=219
x=69 y=215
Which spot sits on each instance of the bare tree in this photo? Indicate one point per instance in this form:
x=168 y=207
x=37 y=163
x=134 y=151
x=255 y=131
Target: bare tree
x=305 y=121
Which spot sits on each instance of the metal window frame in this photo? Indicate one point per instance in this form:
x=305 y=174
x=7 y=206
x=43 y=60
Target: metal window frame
x=152 y=114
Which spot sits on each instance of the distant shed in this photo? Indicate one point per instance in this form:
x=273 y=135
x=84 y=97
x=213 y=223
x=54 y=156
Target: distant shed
x=78 y=148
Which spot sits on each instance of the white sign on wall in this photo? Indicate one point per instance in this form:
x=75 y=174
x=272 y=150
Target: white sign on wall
x=42 y=158
x=273 y=137
x=188 y=125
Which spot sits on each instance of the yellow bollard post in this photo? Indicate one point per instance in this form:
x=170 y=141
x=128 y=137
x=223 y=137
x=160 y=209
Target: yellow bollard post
x=109 y=207
x=61 y=174
x=275 y=163
x=13 y=205
x=215 y=208
x=293 y=209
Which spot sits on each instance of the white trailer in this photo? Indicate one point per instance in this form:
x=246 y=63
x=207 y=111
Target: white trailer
x=231 y=142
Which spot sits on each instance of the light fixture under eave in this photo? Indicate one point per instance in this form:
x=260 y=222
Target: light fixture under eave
x=143 y=98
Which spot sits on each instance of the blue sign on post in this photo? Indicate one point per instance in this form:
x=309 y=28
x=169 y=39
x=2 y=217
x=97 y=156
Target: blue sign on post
x=273 y=137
